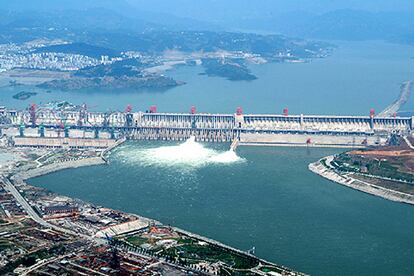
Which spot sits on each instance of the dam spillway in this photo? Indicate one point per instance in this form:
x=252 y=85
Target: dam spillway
x=259 y=129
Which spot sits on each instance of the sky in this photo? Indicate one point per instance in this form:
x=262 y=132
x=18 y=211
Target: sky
x=207 y=8
x=327 y=19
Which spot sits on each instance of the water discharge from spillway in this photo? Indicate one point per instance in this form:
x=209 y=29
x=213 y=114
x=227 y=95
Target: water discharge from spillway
x=189 y=154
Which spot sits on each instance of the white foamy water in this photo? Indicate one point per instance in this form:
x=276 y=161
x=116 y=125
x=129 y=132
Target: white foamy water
x=189 y=154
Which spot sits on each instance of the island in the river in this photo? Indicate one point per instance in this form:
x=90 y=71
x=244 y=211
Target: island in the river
x=24 y=95
x=147 y=82
x=122 y=74
x=234 y=70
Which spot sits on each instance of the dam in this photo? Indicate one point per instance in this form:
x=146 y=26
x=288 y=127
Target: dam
x=80 y=128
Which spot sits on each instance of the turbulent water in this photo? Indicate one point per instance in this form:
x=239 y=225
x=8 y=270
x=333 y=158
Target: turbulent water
x=188 y=155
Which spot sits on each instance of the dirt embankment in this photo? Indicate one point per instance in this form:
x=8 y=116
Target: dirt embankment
x=401 y=157
x=381 y=153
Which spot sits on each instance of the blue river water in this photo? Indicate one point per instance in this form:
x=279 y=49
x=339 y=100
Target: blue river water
x=263 y=197
x=357 y=77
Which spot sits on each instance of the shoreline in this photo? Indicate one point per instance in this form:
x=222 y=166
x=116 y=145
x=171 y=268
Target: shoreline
x=54 y=167
x=346 y=180
x=296 y=145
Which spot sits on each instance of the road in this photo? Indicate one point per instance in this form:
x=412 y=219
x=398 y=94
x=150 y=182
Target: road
x=43 y=263
x=32 y=213
x=26 y=206
x=392 y=109
x=408 y=142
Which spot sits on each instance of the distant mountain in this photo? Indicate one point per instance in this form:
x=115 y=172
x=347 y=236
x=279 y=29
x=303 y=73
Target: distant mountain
x=98 y=14
x=335 y=19
x=157 y=42
x=111 y=30
x=90 y=19
x=88 y=25
x=61 y=5
x=356 y=25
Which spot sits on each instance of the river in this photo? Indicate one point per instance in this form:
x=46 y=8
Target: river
x=357 y=77
x=265 y=198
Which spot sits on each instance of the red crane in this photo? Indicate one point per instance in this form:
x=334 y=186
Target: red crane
x=153 y=109
x=372 y=113
x=193 y=110
x=128 y=109
x=285 y=111
x=32 y=111
x=239 y=111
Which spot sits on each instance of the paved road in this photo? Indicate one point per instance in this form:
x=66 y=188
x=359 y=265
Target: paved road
x=42 y=263
x=31 y=212
x=26 y=206
x=408 y=142
x=390 y=110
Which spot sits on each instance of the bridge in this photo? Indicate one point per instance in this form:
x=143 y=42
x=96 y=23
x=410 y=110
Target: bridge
x=255 y=129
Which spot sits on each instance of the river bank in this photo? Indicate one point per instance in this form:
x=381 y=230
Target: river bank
x=303 y=145
x=357 y=184
x=54 y=167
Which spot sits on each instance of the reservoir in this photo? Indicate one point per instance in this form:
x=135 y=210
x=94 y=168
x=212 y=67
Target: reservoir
x=358 y=75
x=263 y=197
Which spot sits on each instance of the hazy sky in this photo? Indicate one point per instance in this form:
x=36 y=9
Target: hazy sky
x=303 y=18
x=187 y=7
x=193 y=7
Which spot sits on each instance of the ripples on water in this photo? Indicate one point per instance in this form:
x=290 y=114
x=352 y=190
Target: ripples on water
x=189 y=154
x=265 y=198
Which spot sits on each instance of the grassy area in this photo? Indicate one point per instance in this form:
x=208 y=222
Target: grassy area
x=136 y=240
x=190 y=251
x=33 y=156
x=267 y=269
x=372 y=166
x=4 y=244
x=213 y=253
x=344 y=167
x=386 y=169
x=184 y=241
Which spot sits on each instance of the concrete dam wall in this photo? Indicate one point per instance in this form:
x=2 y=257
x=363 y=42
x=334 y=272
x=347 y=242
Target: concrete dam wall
x=316 y=130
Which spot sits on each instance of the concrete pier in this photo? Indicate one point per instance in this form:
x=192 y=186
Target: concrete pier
x=68 y=143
